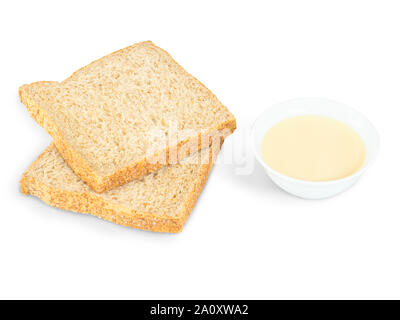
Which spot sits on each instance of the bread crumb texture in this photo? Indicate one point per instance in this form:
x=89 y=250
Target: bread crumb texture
x=160 y=201
x=102 y=117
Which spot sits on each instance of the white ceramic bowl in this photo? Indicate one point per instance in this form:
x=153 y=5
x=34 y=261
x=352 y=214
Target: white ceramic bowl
x=322 y=107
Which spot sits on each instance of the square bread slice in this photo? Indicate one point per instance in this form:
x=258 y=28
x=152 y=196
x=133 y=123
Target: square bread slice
x=126 y=115
x=160 y=201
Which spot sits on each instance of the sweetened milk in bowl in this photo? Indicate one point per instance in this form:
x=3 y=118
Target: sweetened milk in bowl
x=314 y=148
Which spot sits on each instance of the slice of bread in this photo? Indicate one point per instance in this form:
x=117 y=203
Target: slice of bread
x=160 y=201
x=126 y=115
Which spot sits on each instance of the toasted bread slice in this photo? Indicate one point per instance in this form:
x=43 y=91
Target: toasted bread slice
x=160 y=201
x=113 y=120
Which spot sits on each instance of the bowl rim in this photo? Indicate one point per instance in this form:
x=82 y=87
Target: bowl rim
x=354 y=175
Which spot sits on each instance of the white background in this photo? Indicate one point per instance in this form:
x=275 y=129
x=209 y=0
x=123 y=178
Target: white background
x=245 y=238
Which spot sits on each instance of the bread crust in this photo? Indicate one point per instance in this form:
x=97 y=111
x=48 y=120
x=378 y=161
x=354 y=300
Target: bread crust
x=100 y=183
x=90 y=203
